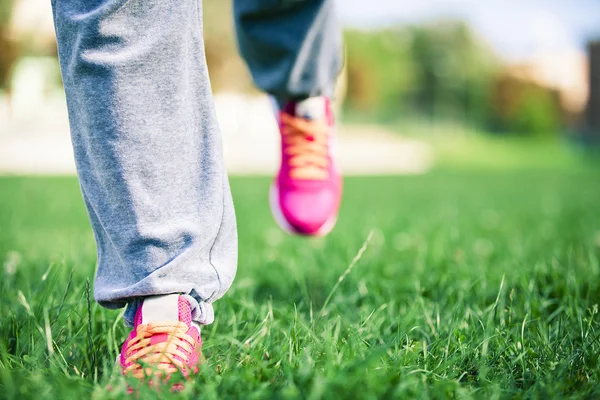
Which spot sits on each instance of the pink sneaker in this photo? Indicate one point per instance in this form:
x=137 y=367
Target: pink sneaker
x=305 y=195
x=163 y=341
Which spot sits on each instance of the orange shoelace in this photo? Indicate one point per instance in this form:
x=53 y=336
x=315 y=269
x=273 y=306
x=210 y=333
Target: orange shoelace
x=158 y=358
x=306 y=142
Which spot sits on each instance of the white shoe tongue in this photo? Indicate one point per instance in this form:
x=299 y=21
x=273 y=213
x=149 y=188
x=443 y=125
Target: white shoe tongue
x=312 y=108
x=160 y=308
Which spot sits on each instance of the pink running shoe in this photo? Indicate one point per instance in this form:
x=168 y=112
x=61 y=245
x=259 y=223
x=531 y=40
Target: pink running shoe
x=305 y=195
x=163 y=341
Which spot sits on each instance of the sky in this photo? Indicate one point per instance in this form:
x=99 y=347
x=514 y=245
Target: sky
x=515 y=28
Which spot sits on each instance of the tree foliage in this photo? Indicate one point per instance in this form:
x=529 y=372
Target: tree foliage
x=8 y=47
x=441 y=71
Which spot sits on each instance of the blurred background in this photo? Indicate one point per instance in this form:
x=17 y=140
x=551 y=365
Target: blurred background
x=427 y=84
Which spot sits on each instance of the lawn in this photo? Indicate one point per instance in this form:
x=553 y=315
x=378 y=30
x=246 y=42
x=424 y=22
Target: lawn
x=473 y=285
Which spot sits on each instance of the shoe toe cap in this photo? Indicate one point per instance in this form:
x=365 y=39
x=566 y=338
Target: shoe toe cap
x=308 y=211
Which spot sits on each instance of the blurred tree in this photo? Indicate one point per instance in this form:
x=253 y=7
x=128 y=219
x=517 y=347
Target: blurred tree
x=539 y=113
x=444 y=72
x=5 y=12
x=8 y=46
x=380 y=70
x=456 y=72
x=522 y=106
x=227 y=69
x=439 y=70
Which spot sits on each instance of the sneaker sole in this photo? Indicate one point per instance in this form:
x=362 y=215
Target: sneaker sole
x=286 y=226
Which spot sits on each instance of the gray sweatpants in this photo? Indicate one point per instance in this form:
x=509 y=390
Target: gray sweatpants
x=145 y=135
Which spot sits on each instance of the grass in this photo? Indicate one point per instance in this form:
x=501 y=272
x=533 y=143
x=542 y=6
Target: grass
x=474 y=285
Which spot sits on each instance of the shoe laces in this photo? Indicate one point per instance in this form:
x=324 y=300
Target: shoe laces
x=166 y=357
x=306 y=143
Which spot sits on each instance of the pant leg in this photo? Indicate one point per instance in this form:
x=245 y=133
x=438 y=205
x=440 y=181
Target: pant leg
x=148 y=150
x=293 y=48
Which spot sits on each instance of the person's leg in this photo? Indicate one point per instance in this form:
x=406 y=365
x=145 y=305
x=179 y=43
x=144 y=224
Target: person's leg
x=293 y=49
x=148 y=150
